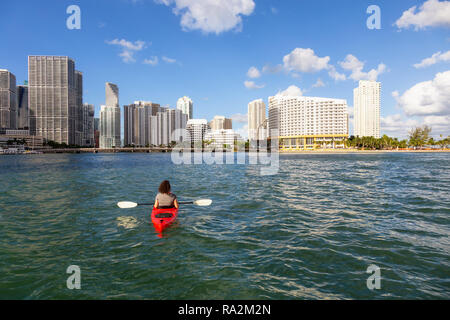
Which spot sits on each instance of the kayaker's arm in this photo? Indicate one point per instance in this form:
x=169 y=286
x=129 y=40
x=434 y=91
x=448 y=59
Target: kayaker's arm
x=156 y=204
x=175 y=203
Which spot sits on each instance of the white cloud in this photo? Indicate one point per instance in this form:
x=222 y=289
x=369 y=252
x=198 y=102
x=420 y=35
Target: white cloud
x=211 y=16
x=253 y=73
x=427 y=98
x=336 y=75
x=128 y=48
x=435 y=58
x=239 y=118
x=153 y=61
x=274 y=10
x=253 y=85
x=292 y=91
x=305 y=60
x=168 y=60
x=319 y=83
x=395 y=125
x=351 y=63
x=432 y=13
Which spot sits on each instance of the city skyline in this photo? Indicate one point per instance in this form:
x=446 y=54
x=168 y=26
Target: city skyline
x=148 y=67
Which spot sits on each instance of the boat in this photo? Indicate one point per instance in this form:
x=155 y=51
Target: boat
x=163 y=218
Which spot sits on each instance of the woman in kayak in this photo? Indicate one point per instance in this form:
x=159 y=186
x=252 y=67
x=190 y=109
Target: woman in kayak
x=165 y=199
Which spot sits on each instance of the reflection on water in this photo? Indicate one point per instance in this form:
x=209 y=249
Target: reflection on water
x=309 y=232
x=127 y=222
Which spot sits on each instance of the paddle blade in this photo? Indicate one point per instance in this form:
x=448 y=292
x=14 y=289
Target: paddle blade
x=127 y=205
x=203 y=202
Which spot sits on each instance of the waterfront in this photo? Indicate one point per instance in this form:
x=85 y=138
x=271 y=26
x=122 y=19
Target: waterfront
x=309 y=232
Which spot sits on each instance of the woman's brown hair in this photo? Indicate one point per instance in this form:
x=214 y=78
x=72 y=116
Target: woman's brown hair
x=164 y=187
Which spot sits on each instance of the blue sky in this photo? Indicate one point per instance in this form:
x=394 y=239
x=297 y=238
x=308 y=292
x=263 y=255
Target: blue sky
x=205 y=52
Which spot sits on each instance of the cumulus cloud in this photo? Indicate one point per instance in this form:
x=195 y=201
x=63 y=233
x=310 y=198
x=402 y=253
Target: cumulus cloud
x=431 y=13
x=253 y=85
x=427 y=98
x=239 y=118
x=351 y=63
x=211 y=16
x=336 y=75
x=435 y=58
x=305 y=60
x=153 y=61
x=395 y=125
x=292 y=91
x=128 y=48
x=253 y=73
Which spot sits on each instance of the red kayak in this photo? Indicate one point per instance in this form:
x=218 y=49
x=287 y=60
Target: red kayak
x=162 y=218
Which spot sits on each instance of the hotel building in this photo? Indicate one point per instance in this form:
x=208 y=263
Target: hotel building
x=367 y=107
x=306 y=123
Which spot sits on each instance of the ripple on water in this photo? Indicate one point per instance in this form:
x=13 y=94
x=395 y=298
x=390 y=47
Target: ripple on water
x=309 y=232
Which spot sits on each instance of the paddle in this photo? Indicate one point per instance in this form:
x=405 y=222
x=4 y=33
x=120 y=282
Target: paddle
x=129 y=205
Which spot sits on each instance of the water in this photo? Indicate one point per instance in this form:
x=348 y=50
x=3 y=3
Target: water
x=309 y=232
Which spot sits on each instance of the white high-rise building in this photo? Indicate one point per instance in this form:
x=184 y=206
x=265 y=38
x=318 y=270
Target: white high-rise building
x=186 y=106
x=257 y=124
x=308 y=122
x=197 y=129
x=367 y=105
x=110 y=119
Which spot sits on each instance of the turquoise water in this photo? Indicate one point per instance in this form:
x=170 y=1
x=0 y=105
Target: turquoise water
x=309 y=232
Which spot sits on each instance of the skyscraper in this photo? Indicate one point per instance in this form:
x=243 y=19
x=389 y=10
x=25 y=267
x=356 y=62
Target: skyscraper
x=8 y=100
x=257 y=125
x=221 y=123
x=112 y=95
x=96 y=132
x=53 y=89
x=110 y=119
x=308 y=122
x=79 y=131
x=367 y=105
x=22 y=108
x=137 y=122
x=88 y=125
x=186 y=106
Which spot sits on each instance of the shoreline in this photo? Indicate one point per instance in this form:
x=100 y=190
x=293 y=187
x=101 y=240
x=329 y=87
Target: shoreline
x=282 y=152
x=351 y=151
